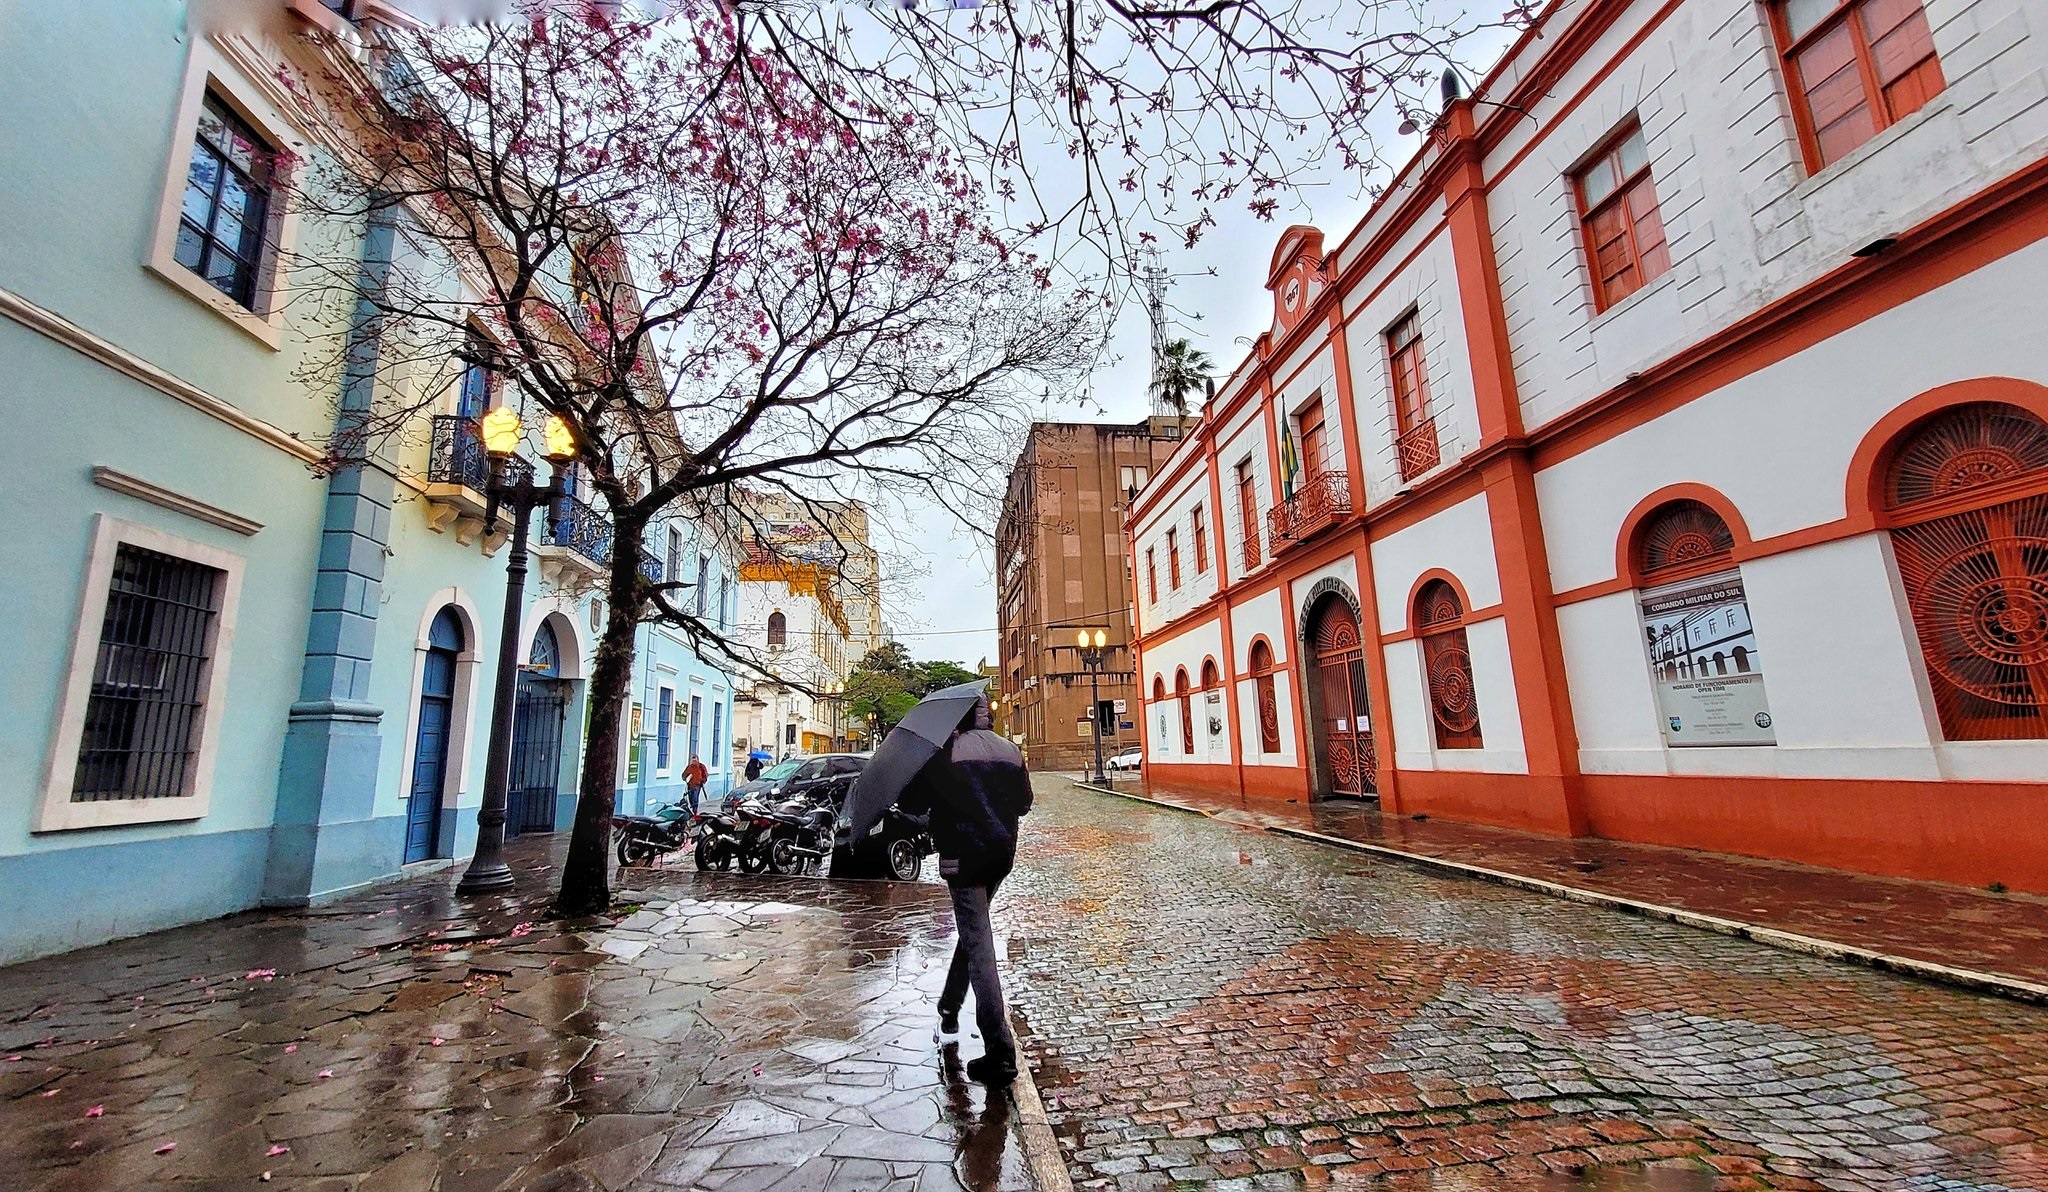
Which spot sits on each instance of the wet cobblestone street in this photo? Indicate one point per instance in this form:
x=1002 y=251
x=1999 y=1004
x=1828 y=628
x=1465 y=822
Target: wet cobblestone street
x=730 y=1034
x=1216 y=1007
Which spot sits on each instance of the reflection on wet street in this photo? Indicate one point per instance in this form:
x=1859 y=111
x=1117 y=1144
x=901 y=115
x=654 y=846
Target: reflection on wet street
x=726 y=1033
x=1221 y=1008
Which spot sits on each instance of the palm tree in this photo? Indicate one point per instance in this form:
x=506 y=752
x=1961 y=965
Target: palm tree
x=1180 y=370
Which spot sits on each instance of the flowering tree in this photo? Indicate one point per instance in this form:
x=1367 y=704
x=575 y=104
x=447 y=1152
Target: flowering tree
x=720 y=273
x=1122 y=122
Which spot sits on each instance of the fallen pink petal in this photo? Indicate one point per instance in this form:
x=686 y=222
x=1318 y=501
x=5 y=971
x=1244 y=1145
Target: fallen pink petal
x=290 y=1047
x=438 y=1040
x=167 y=1148
x=276 y=1150
x=326 y=1072
x=96 y=1111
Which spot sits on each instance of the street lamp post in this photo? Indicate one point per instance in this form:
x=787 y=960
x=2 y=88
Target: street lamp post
x=1091 y=657
x=512 y=489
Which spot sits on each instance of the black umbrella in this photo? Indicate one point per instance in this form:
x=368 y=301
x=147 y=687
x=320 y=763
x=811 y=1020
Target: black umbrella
x=923 y=731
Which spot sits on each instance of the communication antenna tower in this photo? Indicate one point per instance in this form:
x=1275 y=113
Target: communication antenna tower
x=1155 y=308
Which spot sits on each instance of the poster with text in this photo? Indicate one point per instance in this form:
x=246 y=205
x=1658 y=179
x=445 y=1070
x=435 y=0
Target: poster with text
x=1705 y=664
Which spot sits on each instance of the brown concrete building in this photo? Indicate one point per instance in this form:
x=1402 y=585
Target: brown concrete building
x=1062 y=566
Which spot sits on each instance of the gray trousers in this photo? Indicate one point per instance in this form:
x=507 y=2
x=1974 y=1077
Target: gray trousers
x=974 y=963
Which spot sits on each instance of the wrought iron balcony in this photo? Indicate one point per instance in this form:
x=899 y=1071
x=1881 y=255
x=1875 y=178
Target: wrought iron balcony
x=650 y=567
x=458 y=453
x=1251 y=546
x=582 y=528
x=1417 y=449
x=1321 y=502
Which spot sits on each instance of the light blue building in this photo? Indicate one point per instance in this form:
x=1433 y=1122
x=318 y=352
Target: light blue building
x=239 y=680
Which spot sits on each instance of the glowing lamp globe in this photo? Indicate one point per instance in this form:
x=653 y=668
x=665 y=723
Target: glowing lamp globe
x=561 y=441
x=500 y=429
x=1084 y=639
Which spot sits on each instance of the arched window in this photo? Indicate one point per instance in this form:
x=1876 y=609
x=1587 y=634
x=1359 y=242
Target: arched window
x=1966 y=495
x=1159 y=707
x=1269 y=703
x=1212 y=685
x=778 y=629
x=1187 y=710
x=1741 y=660
x=1440 y=623
x=1681 y=539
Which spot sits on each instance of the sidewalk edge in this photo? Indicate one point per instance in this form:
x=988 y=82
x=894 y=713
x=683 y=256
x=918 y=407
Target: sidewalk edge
x=1997 y=984
x=1041 y=1149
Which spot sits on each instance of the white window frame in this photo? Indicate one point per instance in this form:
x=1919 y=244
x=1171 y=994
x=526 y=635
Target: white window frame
x=56 y=812
x=209 y=69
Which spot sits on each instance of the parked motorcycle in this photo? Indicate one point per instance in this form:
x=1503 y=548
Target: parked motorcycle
x=641 y=838
x=802 y=837
x=757 y=824
x=718 y=835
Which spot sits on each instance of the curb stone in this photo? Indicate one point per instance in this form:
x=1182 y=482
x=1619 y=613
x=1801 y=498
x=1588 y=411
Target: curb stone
x=1034 y=1129
x=1995 y=984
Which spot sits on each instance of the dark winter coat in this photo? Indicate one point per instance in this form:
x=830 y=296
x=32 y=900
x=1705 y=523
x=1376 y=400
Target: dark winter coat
x=975 y=790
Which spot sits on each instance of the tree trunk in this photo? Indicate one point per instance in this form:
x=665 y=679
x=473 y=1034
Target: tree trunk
x=586 y=877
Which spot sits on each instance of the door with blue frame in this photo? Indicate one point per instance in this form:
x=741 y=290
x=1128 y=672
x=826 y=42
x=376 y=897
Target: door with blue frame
x=430 y=742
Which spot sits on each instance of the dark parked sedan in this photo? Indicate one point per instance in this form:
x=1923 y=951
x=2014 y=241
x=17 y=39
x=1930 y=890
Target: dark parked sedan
x=894 y=849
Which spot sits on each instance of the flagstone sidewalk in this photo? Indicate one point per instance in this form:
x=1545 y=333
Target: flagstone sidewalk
x=1930 y=926
x=726 y=1033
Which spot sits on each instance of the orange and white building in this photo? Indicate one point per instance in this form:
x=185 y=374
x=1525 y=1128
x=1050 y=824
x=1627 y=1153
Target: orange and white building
x=1672 y=455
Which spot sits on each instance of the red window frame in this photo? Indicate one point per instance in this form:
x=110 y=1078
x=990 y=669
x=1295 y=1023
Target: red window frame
x=1269 y=704
x=1622 y=228
x=1151 y=577
x=1201 y=543
x=1172 y=560
x=1248 y=513
x=1894 y=72
x=1415 y=443
x=1313 y=432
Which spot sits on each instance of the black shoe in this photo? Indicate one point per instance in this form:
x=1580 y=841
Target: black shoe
x=993 y=1070
x=949 y=1027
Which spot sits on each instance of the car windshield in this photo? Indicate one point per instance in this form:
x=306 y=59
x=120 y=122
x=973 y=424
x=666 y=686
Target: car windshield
x=781 y=770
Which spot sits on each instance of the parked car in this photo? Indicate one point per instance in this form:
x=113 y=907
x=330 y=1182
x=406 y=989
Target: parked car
x=894 y=849
x=1129 y=759
x=803 y=776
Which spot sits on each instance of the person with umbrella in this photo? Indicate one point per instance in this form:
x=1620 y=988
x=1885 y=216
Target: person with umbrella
x=945 y=761
x=756 y=759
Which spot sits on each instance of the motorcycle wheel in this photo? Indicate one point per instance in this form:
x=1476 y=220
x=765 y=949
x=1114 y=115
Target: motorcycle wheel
x=782 y=857
x=705 y=860
x=753 y=862
x=633 y=851
x=905 y=863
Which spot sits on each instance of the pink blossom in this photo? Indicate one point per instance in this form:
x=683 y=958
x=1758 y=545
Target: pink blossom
x=259 y=974
x=276 y=1150
x=167 y=1148
x=96 y=1111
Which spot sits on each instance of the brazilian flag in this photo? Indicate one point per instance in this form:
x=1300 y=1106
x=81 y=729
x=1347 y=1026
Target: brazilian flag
x=1290 y=462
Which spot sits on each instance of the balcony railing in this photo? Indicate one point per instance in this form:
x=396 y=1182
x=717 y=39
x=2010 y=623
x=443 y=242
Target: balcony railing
x=650 y=567
x=1417 y=449
x=582 y=528
x=1251 y=545
x=458 y=453
x=1321 y=502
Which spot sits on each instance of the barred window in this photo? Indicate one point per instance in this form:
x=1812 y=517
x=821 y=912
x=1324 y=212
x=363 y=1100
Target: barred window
x=149 y=679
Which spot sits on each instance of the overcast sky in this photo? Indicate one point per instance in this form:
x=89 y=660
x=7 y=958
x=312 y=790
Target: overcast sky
x=949 y=612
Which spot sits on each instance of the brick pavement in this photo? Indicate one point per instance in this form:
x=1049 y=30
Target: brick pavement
x=1210 y=1008
x=733 y=1033
x=1998 y=933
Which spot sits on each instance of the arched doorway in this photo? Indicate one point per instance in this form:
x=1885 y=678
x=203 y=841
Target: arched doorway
x=1187 y=711
x=1966 y=497
x=538 y=717
x=1447 y=663
x=1343 y=715
x=445 y=643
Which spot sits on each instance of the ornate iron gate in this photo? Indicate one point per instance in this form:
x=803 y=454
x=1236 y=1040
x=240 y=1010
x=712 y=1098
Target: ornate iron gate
x=1344 y=712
